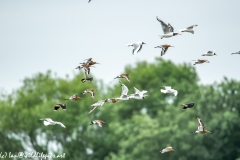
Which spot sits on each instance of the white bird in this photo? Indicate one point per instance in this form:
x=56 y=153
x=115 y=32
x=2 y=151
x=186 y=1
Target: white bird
x=138 y=94
x=124 y=95
x=49 y=121
x=168 y=149
x=168 y=89
x=137 y=47
x=189 y=29
x=95 y=105
x=168 y=30
x=209 y=53
x=236 y=53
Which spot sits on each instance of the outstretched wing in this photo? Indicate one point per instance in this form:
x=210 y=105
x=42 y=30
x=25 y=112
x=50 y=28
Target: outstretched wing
x=191 y=27
x=124 y=89
x=137 y=48
x=165 y=27
x=200 y=124
x=164 y=50
x=136 y=90
x=171 y=29
x=60 y=124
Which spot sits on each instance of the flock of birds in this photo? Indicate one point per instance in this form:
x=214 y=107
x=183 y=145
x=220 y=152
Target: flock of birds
x=168 y=31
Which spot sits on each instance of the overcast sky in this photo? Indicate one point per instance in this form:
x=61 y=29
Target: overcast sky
x=41 y=35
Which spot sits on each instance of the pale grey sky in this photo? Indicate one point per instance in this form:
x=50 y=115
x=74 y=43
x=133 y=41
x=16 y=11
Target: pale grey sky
x=38 y=35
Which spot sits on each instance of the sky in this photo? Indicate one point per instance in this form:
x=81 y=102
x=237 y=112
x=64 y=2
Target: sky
x=57 y=35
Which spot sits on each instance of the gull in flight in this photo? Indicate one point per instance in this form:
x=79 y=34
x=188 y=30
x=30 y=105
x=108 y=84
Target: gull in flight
x=49 y=121
x=138 y=94
x=164 y=48
x=236 y=53
x=201 y=127
x=189 y=29
x=73 y=98
x=126 y=76
x=98 y=122
x=187 y=106
x=209 y=53
x=168 y=30
x=200 y=61
x=168 y=89
x=137 y=46
x=124 y=95
x=90 y=91
x=168 y=149
x=95 y=105
x=62 y=105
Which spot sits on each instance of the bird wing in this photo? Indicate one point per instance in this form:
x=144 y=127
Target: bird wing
x=136 y=90
x=60 y=124
x=143 y=92
x=124 y=89
x=56 y=107
x=167 y=87
x=164 y=50
x=64 y=107
x=126 y=77
x=191 y=27
x=164 y=26
x=46 y=123
x=137 y=48
x=200 y=124
x=190 y=105
x=175 y=92
x=171 y=29
x=89 y=1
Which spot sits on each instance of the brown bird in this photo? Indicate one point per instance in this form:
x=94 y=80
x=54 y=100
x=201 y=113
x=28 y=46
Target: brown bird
x=126 y=76
x=73 y=98
x=201 y=127
x=112 y=100
x=62 y=105
x=200 y=61
x=164 y=48
x=98 y=122
x=168 y=149
x=90 y=91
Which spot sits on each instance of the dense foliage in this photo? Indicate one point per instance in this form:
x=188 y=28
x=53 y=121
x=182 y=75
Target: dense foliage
x=134 y=129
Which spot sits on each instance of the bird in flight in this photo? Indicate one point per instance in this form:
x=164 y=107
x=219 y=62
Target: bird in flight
x=209 y=53
x=137 y=46
x=168 y=149
x=168 y=89
x=164 y=48
x=200 y=61
x=189 y=29
x=73 y=98
x=49 y=121
x=98 y=122
x=187 y=106
x=62 y=105
x=168 y=30
x=90 y=91
x=126 y=76
x=201 y=127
